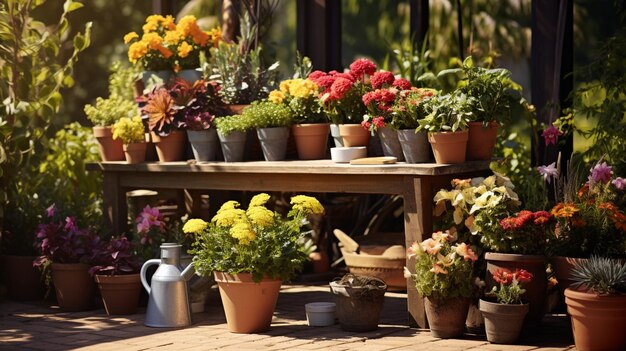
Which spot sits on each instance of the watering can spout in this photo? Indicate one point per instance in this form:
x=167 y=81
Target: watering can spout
x=188 y=272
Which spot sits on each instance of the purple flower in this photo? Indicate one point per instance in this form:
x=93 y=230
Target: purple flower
x=619 y=183
x=551 y=135
x=70 y=223
x=50 y=211
x=601 y=172
x=548 y=172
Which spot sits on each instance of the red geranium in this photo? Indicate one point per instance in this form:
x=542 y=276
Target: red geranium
x=510 y=290
x=382 y=79
x=502 y=276
x=402 y=84
x=361 y=67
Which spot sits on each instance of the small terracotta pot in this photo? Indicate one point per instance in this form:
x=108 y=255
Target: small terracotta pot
x=503 y=323
x=354 y=135
x=135 y=152
x=311 y=140
x=446 y=317
x=598 y=322
x=75 y=288
x=110 y=150
x=170 y=148
x=120 y=293
x=481 y=140
x=249 y=306
x=449 y=147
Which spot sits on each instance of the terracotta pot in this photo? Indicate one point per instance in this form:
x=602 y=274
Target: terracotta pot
x=75 y=288
x=446 y=317
x=319 y=261
x=311 y=140
x=535 y=290
x=354 y=135
x=503 y=323
x=203 y=144
x=563 y=270
x=22 y=279
x=135 y=152
x=120 y=293
x=249 y=306
x=415 y=147
x=358 y=308
x=481 y=140
x=390 y=143
x=170 y=148
x=598 y=322
x=449 y=147
x=273 y=142
x=110 y=150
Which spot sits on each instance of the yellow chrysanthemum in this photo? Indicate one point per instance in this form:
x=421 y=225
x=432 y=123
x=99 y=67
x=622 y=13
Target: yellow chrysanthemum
x=307 y=204
x=276 y=96
x=243 y=232
x=137 y=50
x=152 y=23
x=184 y=49
x=285 y=84
x=172 y=37
x=153 y=40
x=130 y=37
x=259 y=200
x=195 y=226
x=260 y=216
x=228 y=205
x=168 y=22
x=229 y=217
x=187 y=25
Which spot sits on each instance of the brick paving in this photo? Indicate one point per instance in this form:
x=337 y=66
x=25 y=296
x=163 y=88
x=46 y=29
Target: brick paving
x=39 y=326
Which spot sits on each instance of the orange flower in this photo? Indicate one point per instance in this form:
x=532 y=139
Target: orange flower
x=437 y=269
x=464 y=250
x=160 y=109
x=562 y=210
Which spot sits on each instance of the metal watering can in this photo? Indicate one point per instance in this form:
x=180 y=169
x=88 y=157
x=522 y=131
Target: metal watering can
x=168 y=304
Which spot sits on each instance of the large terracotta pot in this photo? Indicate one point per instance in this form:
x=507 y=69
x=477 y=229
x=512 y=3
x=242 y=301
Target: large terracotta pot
x=311 y=140
x=535 y=290
x=135 y=152
x=354 y=135
x=170 y=148
x=481 y=140
x=22 y=279
x=120 y=293
x=449 y=147
x=563 y=270
x=503 y=323
x=110 y=150
x=598 y=322
x=390 y=143
x=249 y=306
x=75 y=288
x=446 y=317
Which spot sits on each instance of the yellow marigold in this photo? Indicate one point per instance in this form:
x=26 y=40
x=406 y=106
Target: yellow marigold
x=564 y=210
x=153 y=40
x=243 y=232
x=152 y=23
x=229 y=217
x=187 y=25
x=137 y=50
x=285 y=84
x=276 y=96
x=216 y=36
x=172 y=37
x=195 y=226
x=307 y=204
x=228 y=205
x=259 y=200
x=260 y=216
x=184 y=49
x=168 y=22
x=130 y=37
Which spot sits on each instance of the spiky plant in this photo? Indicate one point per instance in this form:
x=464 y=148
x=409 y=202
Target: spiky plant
x=602 y=275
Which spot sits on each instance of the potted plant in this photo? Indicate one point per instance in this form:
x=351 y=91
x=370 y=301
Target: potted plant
x=341 y=97
x=310 y=128
x=250 y=252
x=272 y=122
x=131 y=132
x=231 y=131
x=406 y=111
x=116 y=270
x=444 y=277
x=359 y=301
x=66 y=252
x=165 y=124
x=150 y=232
x=446 y=124
x=504 y=318
x=379 y=103
x=596 y=303
x=103 y=115
x=165 y=48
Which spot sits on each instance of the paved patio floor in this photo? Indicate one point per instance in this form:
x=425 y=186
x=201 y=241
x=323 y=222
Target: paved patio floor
x=39 y=326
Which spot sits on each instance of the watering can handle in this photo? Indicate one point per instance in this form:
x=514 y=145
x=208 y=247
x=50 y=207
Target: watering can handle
x=144 y=269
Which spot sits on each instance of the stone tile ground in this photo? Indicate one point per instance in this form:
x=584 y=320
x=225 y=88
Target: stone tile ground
x=39 y=326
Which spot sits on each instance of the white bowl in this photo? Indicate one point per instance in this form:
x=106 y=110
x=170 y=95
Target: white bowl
x=347 y=154
x=320 y=314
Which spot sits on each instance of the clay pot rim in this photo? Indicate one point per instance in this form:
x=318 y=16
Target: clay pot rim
x=524 y=305
x=497 y=256
x=582 y=295
x=111 y=279
x=69 y=266
x=490 y=124
x=242 y=277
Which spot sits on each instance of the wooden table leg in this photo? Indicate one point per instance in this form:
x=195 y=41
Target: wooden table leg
x=115 y=208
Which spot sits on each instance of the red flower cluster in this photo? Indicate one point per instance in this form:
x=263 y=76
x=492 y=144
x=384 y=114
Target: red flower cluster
x=377 y=122
x=382 y=79
x=504 y=276
x=333 y=83
x=402 y=84
x=361 y=67
x=525 y=217
x=382 y=98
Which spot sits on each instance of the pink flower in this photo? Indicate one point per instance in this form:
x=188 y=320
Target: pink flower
x=502 y=276
x=412 y=250
x=361 y=67
x=522 y=276
x=431 y=246
x=402 y=84
x=379 y=122
x=441 y=236
x=366 y=125
x=143 y=226
x=70 y=223
x=619 y=183
x=548 y=172
x=339 y=88
x=551 y=135
x=381 y=79
x=437 y=269
x=148 y=218
x=51 y=210
x=464 y=250
x=601 y=172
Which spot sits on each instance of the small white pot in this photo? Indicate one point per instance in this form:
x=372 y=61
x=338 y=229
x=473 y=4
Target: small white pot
x=320 y=314
x=347 y=154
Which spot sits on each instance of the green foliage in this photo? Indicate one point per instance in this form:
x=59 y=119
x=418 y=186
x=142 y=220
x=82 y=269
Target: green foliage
x=601 y=275
x=510 y=290
x=266 y=114
x=130 y=130
x=228 y=124
x=408 y=109
x=257 y=240
x=413 y=64
x=108 y=111
x=31 y=101
x=447 y=113
x=122 y=80
x=303 y=66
